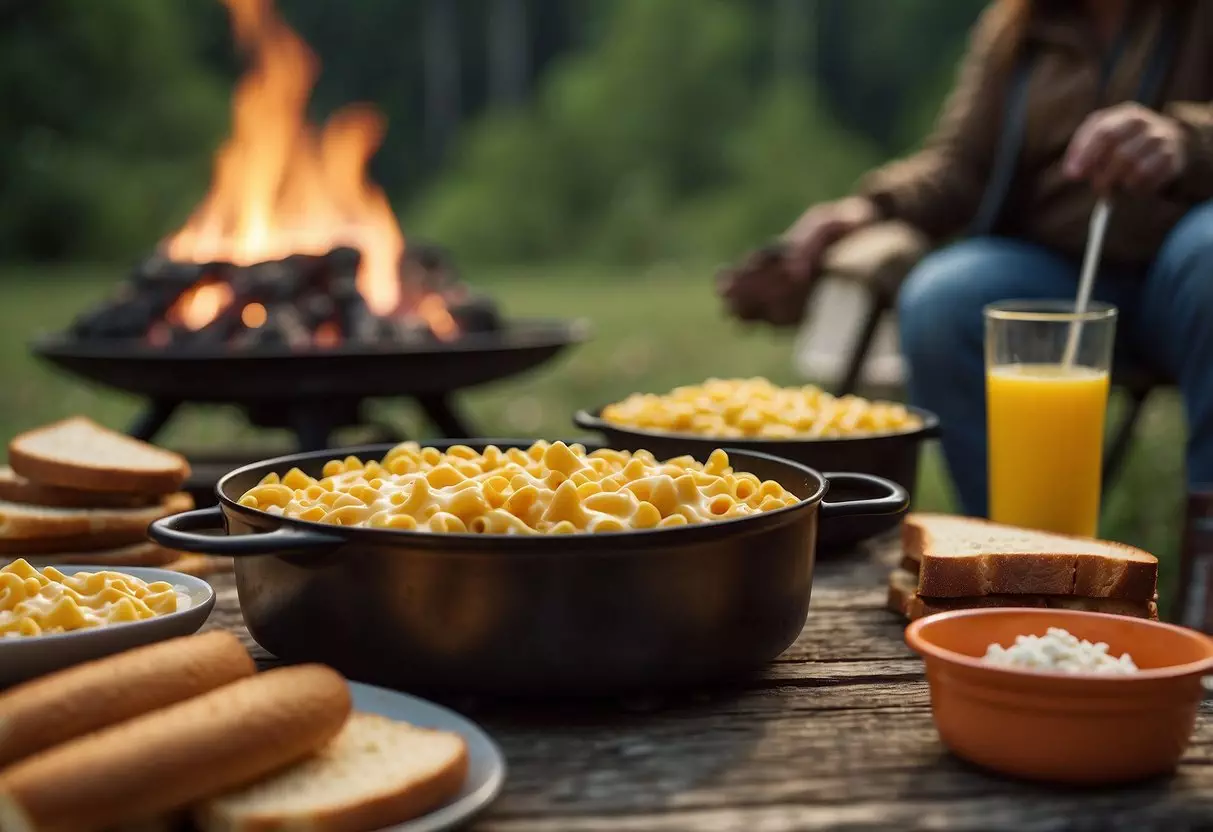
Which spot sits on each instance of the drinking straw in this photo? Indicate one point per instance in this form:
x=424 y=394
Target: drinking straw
x=1086 y=280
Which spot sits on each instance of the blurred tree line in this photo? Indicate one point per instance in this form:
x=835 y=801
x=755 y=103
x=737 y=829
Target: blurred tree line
x=518 y=129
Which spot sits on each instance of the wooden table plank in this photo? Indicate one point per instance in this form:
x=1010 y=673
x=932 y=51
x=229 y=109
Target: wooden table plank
x=836 y=734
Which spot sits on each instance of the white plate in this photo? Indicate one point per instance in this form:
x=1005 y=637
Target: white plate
x=30 y=656
x=486 y=764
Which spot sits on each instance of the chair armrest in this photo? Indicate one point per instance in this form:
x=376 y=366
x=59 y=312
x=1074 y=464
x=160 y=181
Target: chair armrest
x=879 y=257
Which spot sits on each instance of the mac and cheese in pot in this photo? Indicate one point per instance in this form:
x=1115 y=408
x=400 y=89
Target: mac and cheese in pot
x=548 y=488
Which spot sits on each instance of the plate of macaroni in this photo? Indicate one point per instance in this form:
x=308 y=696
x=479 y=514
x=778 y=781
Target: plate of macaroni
x=801 y=423
x=54 y=617
x=522 y=566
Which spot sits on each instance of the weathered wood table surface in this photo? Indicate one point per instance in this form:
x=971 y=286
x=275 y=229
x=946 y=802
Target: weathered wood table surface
x=836 y=734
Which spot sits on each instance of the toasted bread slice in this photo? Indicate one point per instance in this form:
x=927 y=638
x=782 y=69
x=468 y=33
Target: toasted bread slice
x=173 y=757
x=201 y=566
x=17 y=489
x=62 y=706
x=376 y=773
x=962 y=557
x=903 y=586
x=904 y=600
x=137 y=554
x=74 y=543
x=22 y=522
x=79 y=454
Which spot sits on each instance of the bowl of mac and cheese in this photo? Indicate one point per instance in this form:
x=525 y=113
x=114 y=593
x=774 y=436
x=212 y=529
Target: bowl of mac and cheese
x=55 y=617
x=802 y=423
x=523 y=567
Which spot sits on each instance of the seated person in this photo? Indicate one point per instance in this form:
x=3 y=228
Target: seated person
x=1021 y=185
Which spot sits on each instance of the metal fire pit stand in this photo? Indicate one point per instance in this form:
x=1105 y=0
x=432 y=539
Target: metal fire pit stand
x=313 y=422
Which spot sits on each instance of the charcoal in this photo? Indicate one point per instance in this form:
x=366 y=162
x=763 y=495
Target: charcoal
x=117 y=319
x=476 y=313
x=316 y=309
x=159 y=269
x=343 y=261
x=302 y=293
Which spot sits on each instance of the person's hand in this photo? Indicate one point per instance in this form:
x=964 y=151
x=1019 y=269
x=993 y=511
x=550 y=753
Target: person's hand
x=773 y=283
x=1128 y=147
x=820 y=227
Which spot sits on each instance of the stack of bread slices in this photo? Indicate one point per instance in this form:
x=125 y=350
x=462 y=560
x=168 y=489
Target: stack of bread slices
x=185 y=734
x=76 y=492
x=951 y=563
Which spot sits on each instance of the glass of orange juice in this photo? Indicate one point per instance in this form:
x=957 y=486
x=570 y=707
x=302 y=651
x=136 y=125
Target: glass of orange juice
x=1047 y=372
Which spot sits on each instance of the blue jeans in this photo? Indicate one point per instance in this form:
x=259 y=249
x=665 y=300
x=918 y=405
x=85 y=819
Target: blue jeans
x=1165 y=324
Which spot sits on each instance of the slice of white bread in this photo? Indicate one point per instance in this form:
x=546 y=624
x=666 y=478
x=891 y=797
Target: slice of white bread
x=176 y=756
x=146 y=553
x=78 y=453
x=962 y=557
x=17 y=489
x=23 y=522
x=70 y=703
x=904 y=600
x=73 y=543
x=376 y=773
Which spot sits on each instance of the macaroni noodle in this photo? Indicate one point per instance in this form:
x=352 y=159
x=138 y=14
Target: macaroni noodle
x=35 y=603
x=549 y=488
x=735 y=408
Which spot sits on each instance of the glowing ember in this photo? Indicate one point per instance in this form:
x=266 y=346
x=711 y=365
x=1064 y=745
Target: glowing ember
x=281 y=187
x=202 y=304
x=253 y=315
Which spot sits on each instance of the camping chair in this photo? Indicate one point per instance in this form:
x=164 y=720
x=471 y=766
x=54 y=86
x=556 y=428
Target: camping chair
x=876 y=260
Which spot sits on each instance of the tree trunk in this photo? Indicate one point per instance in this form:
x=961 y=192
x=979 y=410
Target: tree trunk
x=442 y=75
x=509 y=52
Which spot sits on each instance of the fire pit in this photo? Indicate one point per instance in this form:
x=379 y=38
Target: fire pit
x=290 y=291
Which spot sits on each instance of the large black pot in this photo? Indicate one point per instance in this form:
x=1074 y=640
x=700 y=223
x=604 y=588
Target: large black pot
x=891 y=456
x=567 y=614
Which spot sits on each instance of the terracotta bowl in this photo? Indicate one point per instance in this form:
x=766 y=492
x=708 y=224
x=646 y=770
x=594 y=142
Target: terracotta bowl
x=1080 y=730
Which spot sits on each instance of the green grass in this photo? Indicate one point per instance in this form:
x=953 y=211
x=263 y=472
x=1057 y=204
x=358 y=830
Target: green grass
x=653 y=328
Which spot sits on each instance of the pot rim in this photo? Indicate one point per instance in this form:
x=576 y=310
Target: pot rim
x=533 y=543
x=591 y=419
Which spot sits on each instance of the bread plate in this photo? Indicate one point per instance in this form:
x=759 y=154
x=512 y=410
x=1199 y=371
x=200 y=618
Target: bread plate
x=23 y=658
x=486 y=763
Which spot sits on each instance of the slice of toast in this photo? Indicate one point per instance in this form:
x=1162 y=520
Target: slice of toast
x=904 y=600
x=146 y=553
x=178 y=755
x=961 y=557
x=17 y=489
x=375 y=773
x=24 y=522
x=79 y=454
x=73 y=543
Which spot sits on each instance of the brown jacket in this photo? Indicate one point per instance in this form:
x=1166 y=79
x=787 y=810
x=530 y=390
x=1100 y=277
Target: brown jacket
x=939 y=188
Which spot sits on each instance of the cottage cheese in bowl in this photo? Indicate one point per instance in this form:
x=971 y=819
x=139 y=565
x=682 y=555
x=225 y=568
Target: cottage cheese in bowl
x=1059 y=651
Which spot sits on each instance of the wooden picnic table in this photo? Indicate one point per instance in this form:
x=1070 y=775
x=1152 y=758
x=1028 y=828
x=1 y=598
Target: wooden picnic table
x=836 y=734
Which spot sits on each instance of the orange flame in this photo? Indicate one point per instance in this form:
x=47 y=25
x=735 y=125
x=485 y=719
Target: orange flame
x=280 y=187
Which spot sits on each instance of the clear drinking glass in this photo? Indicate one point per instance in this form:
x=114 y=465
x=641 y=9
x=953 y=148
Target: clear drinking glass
x=1047 y=370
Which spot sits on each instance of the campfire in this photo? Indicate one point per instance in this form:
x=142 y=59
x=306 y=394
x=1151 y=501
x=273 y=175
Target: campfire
x=293 y=246
x=290 y=292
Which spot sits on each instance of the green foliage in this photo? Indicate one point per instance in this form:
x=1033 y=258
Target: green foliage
x=106 y=126
x=656 y=144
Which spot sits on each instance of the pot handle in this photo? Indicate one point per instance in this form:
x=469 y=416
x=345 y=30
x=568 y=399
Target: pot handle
x=893 y=500
x=587 y=420
x=178 y=532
